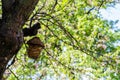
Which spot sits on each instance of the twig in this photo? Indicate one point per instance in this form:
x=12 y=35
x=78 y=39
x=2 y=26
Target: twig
x=101 y=5
x=57 y=36
x=31 y=19
x=90 y=10
x=56 y=2
x=13 y=74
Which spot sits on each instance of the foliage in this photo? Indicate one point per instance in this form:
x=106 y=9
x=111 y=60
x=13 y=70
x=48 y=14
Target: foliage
x=78 y=44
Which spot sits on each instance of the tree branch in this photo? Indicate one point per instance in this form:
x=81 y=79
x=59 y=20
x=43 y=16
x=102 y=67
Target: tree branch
x=14 y=15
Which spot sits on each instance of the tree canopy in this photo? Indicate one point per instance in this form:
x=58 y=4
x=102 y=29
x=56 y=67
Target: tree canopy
x=78 y=43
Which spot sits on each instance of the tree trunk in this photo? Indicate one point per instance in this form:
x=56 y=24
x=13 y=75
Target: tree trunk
x=14 y=14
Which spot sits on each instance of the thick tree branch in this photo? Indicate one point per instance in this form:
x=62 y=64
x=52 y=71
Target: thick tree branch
x=15 y=14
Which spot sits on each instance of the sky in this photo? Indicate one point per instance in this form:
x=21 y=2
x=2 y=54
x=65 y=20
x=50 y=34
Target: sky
x=112 y=13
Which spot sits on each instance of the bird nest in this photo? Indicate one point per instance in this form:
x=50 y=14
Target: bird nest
x=35 y=46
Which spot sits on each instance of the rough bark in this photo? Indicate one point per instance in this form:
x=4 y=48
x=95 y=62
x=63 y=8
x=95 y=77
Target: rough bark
x=15 y=14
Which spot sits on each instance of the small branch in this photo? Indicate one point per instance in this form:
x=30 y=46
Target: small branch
x=95 y=7
x=90 y=10
x=56 y=2
x=101 y=5
x=14 y=74
x=31 y=19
